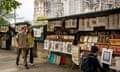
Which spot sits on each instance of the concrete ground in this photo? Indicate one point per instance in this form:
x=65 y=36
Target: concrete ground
x=8 y=57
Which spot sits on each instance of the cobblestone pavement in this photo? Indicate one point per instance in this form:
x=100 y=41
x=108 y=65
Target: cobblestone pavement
x=7 y=63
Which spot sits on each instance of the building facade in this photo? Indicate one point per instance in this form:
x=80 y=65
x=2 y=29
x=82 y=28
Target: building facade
x=57 y=8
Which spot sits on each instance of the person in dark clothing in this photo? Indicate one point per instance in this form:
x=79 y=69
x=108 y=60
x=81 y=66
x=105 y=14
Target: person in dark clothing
x=21 y=43
x=91 y=63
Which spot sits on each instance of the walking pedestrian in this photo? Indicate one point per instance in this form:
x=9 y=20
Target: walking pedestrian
x=30 y=36
x=21 y=41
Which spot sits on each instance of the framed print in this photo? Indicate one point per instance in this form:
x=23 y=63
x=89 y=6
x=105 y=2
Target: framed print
x=74 y=23
x=58 y=24
x=50 y=27
x=68 y=23
x=106 y=56
x=4 y=28
x=38 y=32
x=46 y=44
x=75 y=54
x=81 y=24
x=71 y=23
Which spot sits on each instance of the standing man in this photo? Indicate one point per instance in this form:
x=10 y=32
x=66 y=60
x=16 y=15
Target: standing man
x=22 y=41
x=90 y=63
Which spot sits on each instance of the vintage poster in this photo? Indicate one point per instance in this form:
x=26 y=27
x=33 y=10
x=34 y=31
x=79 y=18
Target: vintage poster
x=46 y=44
x=106 y=56
x=75 y=54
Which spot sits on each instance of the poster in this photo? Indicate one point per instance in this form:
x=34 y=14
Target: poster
x=106 y=56
x=46 y=44
x=38 y=32
x=75 y=54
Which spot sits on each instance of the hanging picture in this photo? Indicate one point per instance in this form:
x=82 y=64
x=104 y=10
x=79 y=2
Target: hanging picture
x=46 y=44
x=81 y=24
x=113 y=19
x=4 y=28
x=71 y=23
x=106 y=56
x=87 y=25
x=75 y=54
x=38 y=32
x=68 y=23
x=74 y=23
x=50 y=27
x=92 y=22
x=69 y=47
x=58 y=23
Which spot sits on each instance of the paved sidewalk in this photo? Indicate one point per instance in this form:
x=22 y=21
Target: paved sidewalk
x=7 y=63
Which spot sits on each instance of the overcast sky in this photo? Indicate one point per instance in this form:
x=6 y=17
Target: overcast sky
x=25 y=12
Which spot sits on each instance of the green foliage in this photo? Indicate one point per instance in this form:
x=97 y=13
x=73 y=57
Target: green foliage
x=7 y=6
x=3 y=21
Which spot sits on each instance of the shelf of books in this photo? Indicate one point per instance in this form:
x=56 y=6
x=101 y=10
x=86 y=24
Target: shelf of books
x=96 y=28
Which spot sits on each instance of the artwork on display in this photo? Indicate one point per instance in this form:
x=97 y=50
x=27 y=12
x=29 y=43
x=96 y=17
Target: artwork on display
x=52 y=45
x=113 y=21
x=69 y=47
x=71 y=23
x=106 y=56
x=38 y=31
x=92 y=22
x=58 y=23
x=74 y=23
x=68 y=23
x=81 y=24
x=18 y=27
x=75 y=54
x=58 y=46
x=46 y=44
x=4 y=28
x=87 y=25
x=50 y=27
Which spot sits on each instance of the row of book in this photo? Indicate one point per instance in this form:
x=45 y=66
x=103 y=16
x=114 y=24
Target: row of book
x=57 y=59
x=93 y=39
x=58 y=46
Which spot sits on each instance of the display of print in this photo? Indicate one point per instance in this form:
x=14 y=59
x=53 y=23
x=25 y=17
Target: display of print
x=46 y=44
x=50 y=27
x=69 y=47
x=106 y=56
x=58 y=46
x=75 y=54
x=38 y=31
x=81 y=24
x=4 y=28
x=71 y=23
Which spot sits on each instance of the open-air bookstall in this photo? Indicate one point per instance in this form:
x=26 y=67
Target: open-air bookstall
x=101 y=28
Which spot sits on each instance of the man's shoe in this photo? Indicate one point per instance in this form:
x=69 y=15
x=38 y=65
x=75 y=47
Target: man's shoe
x=17 y=63
x=26 y=67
